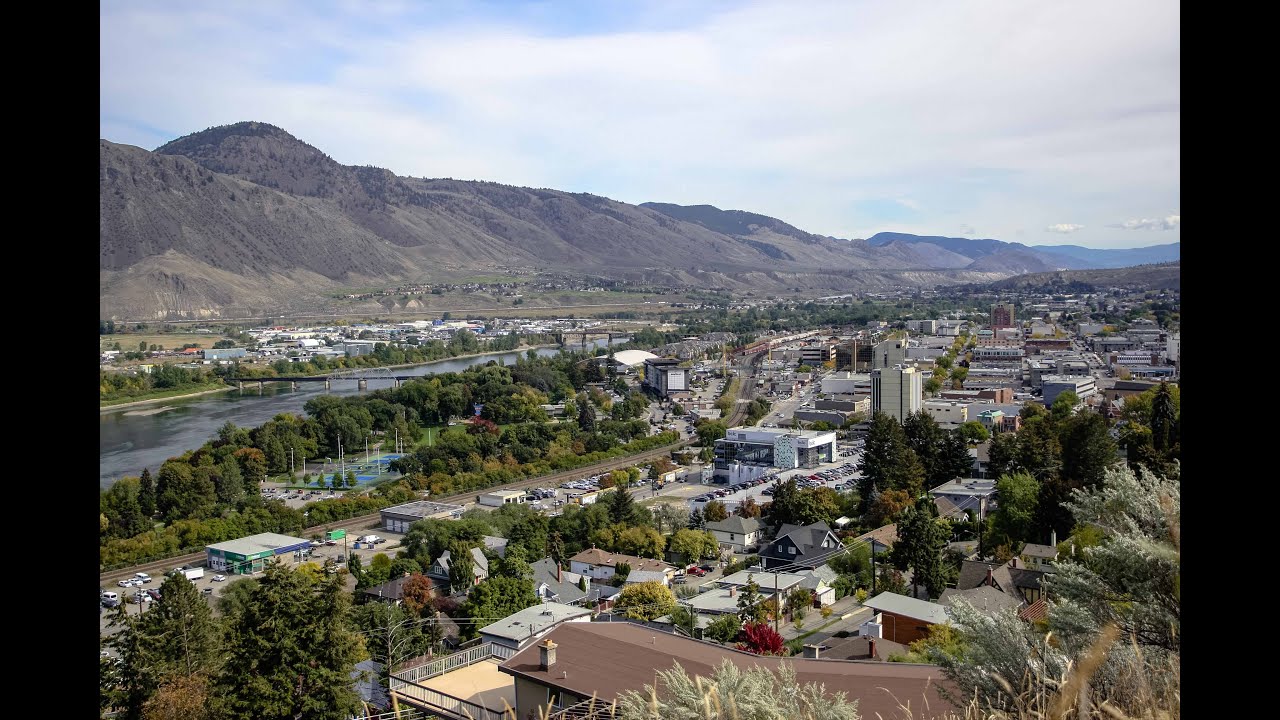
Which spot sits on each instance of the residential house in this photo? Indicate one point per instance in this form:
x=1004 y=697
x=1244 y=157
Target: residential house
x=981 y=454
x=808 y=546
x=553 y=584
x=1009 y=578
x=819 y=581
x=641 y=576
x=520 y=630
x=985 y=598
x=880 y=540
x=388 y=592
x=1039 y=557
x=479 y=566
x=579 y=661
x=600 y=565
x=736 y=533
x=496 y=545
x=903 y=619
x=855 y=648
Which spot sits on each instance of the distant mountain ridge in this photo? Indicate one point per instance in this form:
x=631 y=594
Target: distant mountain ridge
x=1053 y=257
x=246 y=219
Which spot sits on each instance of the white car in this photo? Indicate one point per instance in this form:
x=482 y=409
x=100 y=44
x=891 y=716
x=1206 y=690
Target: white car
x=219 y=578
x=143 y=577
x=126 y=583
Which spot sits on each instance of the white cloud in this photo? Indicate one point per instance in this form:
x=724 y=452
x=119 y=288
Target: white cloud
x=812 y=117
x=1063 y=228
x=967 y=229
x=1169 y=222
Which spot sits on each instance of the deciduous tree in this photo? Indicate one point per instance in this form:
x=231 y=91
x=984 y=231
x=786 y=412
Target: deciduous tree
x=646 y=600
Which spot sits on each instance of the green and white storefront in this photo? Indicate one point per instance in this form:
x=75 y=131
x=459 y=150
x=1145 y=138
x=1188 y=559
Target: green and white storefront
x=249 y=555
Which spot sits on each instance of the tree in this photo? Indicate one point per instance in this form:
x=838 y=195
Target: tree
x=1014 y=518
x=179 y=633
x=642 y=542
x=253 y=464
x=954 y=460
x=182 y=494
x=973 y=432
x=403 y=566
x=926 y=439
x=731 y=692
x=417 y=593
x=697 y=521
x=179 y=698
x=497 y=597
x=646 y=600
x=714 y=511
x=761 y=639
x=885 y=507
x=750 y=607
x=958 y=375
x=1064 y=405
x=622 y=507
x=1087 y=450
x=693 y=545
x=749 y=508
x=888 y=463
x=294 y=654
x=555 y=548
x=587 y=417
x=724 y=629
x=922 y=536
x=146 y=494
x=461 y=567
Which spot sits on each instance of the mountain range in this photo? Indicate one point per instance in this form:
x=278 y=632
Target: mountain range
x=246 y=219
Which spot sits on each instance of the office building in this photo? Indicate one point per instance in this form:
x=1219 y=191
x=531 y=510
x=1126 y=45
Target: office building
x=1002 y=315
x=896 y=391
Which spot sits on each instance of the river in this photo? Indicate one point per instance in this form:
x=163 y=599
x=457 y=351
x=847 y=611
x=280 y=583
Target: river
x=131 y=439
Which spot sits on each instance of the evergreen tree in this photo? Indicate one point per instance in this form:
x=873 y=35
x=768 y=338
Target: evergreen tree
x=1164 y=419
x=954 y=460
x=622 y=507
x=555 y=548
x=461 y=567
x=922 y=537
x=750 y=607
x=1087 y=450
x=294 y=654
x=888 y=463
x=586 y=417
x=147 y=494
x=229 y=485
x=926 y=440
x=179 y=631
x=697 y=521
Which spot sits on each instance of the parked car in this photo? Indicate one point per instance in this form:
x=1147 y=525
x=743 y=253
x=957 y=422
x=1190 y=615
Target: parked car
x=128 y=582
x=695 y=571
x=219 y=578
x=143 y=577
x=154 y=594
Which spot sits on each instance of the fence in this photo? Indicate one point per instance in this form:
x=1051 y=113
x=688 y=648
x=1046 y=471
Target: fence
x=449 y=705
x=450 y=663
x=590 y=709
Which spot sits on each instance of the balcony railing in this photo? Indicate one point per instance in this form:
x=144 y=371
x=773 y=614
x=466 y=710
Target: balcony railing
x=407 y=683
x=450 y=663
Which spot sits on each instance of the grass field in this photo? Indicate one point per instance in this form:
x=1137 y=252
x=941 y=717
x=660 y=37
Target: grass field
x=170 y=341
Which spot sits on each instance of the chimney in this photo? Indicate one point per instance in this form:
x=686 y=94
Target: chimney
x=871 y=648
x=559 y=577
x=1013 y=562
x=1053 y=538
x=733 y=591
x=989 y=581
x=813 y=652
x=546 y=654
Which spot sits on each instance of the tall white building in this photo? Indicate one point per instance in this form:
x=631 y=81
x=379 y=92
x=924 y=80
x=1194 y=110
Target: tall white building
x=897 y=391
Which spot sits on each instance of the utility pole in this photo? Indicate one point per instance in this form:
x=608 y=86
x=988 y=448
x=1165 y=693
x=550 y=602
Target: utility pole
x=293 y=469
x=873 y=566
x=777 y=613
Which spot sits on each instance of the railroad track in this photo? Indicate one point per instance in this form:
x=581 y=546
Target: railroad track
x=159 y=567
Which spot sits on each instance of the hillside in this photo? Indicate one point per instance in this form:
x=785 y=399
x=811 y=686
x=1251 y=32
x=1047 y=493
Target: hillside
x=1029 y=258
x=1165 y=276
x=246 y=219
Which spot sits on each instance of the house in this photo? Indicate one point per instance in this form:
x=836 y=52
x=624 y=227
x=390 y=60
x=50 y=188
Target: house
x=903 y=619
x=389 y=592
x=1039 y=557
x=640 y=576
x=855 y=648
x=1009 y=578
x=600 y=565
x=479 y=566
x=1038 y=610
x=985 y=598
x=881 y=539
x=579 y=661
x=981 y=458
x=553 y=584
x=496 y=545
x=808 y=546
x=819 y=581
x=739 y=534
x=521 y=629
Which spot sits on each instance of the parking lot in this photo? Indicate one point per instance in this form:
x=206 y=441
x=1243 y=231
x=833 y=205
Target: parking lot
x=840 y=476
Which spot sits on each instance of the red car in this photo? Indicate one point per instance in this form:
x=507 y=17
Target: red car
x=695 y=571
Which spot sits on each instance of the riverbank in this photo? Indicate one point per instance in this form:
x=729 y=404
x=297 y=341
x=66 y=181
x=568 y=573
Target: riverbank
x=112 y=405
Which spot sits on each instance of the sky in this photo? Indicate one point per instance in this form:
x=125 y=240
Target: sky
x=1029 y=121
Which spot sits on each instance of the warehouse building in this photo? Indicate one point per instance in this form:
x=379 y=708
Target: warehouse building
x=398 y=519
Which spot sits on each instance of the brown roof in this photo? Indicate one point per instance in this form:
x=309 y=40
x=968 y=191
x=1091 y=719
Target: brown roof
x=859 y=648
x=1038 y=610
x=596 y=556
x=609 y=658
x=887 y=535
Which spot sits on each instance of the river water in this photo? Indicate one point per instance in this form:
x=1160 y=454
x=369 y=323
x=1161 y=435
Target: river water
x=138 y=437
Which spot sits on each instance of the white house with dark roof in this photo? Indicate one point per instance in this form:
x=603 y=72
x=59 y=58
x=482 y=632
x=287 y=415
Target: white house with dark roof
x=519 y=630
x=554 y=584
x=737 y=533
x=479 y=566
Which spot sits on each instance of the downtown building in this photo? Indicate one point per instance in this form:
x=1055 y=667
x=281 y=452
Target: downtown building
x=896 y=391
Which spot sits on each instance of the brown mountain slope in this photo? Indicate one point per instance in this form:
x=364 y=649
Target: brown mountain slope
x=246 y=216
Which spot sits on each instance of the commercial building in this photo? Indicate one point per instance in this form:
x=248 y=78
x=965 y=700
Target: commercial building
x=949 y=414
x=663 y=376
x=890 y=353
x=1002 y=315
x=397 y=519
x=768 y=448
x=998 y=354
x=1054 y=385
x=995 y=395
x=896 y=391
x=224 y=353
x=846 y=383
x=498 y=498
x=817 y=354
x=250 y=554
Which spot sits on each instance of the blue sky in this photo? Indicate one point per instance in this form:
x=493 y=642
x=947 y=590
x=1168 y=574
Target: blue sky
x=1036 y=122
